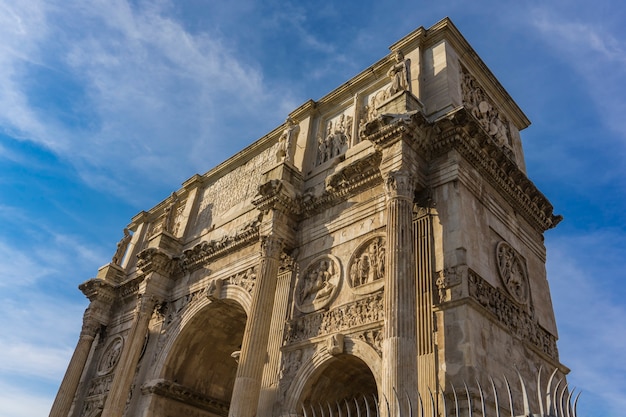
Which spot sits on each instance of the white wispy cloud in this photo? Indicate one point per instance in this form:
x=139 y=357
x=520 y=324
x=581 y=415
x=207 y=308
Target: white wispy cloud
x=585 y=273
x=143 y=92
x=594 y=50
x=18 y=402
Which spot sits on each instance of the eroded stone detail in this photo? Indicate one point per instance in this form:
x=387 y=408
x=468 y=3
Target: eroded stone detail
x=367 y=267
x=336 y=138
x=374 y=338
x=340 y=319
x=111 y=356
x=233 y=188
x=482 y=108
x=512 y=272
x=508 y=312
x=318 y=284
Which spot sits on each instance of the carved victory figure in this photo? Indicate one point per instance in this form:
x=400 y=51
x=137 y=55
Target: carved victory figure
x=367 y=267
x=318 y=284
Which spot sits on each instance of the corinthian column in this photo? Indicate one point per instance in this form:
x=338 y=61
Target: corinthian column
x=247 y=387
x=129 y=358
x=399 y=338
x=65 y=396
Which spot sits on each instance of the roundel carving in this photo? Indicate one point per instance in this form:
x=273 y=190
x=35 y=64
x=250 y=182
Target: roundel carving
x=318 y=284
x=367 y=266
x=111 y=355
x=512 y=272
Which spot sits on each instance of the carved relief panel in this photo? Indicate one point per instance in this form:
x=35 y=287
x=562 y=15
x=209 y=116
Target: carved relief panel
x=334 y=136
x=512 y=270
x=480 y=105
x=318 y=284
x=366 y=269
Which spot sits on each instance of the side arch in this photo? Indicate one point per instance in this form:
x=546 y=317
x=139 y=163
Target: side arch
x=229 y=292
x=312 y=369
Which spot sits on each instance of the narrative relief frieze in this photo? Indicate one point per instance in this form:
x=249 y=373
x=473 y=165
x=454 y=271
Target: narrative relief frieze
x=511 y=315
x=340 y=319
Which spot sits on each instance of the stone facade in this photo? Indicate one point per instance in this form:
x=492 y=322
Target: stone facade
x=386 y=239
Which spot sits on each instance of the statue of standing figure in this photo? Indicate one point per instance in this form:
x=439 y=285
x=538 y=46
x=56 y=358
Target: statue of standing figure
x=399 y=74
x=287 y=141
x=121 y=248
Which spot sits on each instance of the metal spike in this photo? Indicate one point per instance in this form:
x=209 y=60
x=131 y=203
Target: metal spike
x=443 y=401
x=470 y=411
x=539 y=390
x=330 y=410
x=367 y=407
x=576 y=404
x=549 y=391
x=561 y=400
x=377 y=405
x=456 y=401
x=569 y=399
x=495 y=396
x=395 y=394
x=432 y=403
x=408 y=400
x=304 y=411
x=313 y=410
x=347 y=407
x=420 y=404
x=358 y=408
x=321 y=410
x=387 y=404
x=508 y=390
x=482 y=398
x=524 y=393
x=555 y=399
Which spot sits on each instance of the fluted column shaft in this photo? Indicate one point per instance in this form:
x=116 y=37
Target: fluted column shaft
x=69 y=385
x=399 y=337
x=129 y=358
x=247 y=387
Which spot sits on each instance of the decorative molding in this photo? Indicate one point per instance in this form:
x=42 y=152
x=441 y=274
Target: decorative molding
x=460 y=131
x=178 y=392
x=205 y=252
x=155 y=260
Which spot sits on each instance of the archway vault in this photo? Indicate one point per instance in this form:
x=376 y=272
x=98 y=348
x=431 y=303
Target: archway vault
x=197 y=357
x=331 y=378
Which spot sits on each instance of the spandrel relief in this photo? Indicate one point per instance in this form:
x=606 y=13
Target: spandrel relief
x=111 y=356
x=335 y=137
x=367 y=266
x=318 y=284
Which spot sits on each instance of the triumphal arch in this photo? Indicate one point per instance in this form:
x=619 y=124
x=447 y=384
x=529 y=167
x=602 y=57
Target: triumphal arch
x=381 y=248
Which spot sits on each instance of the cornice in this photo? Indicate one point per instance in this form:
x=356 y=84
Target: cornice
x=459 y=130
x=205 y=252
x=178 y=392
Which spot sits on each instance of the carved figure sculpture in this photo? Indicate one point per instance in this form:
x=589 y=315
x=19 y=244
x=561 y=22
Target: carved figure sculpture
x=170 y=214
x=317 y=285
x=399 y=74
x=287 y=140
x=122 y=245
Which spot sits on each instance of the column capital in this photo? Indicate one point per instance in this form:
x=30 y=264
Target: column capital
x=271 y=246
x=400 y=184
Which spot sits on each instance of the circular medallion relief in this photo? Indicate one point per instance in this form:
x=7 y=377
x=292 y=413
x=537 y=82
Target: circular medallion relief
x=318 y=284
x=512 y=272
x=367 y=267
x=111 y=355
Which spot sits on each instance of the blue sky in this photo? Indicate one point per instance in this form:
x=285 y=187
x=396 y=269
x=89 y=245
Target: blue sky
x=106 y=107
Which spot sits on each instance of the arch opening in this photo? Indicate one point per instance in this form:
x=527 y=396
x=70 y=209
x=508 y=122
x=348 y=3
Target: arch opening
x=343 y=382
x=201 y=368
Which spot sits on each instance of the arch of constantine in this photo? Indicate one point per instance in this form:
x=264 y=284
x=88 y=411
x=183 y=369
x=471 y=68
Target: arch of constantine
x=382 y=246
